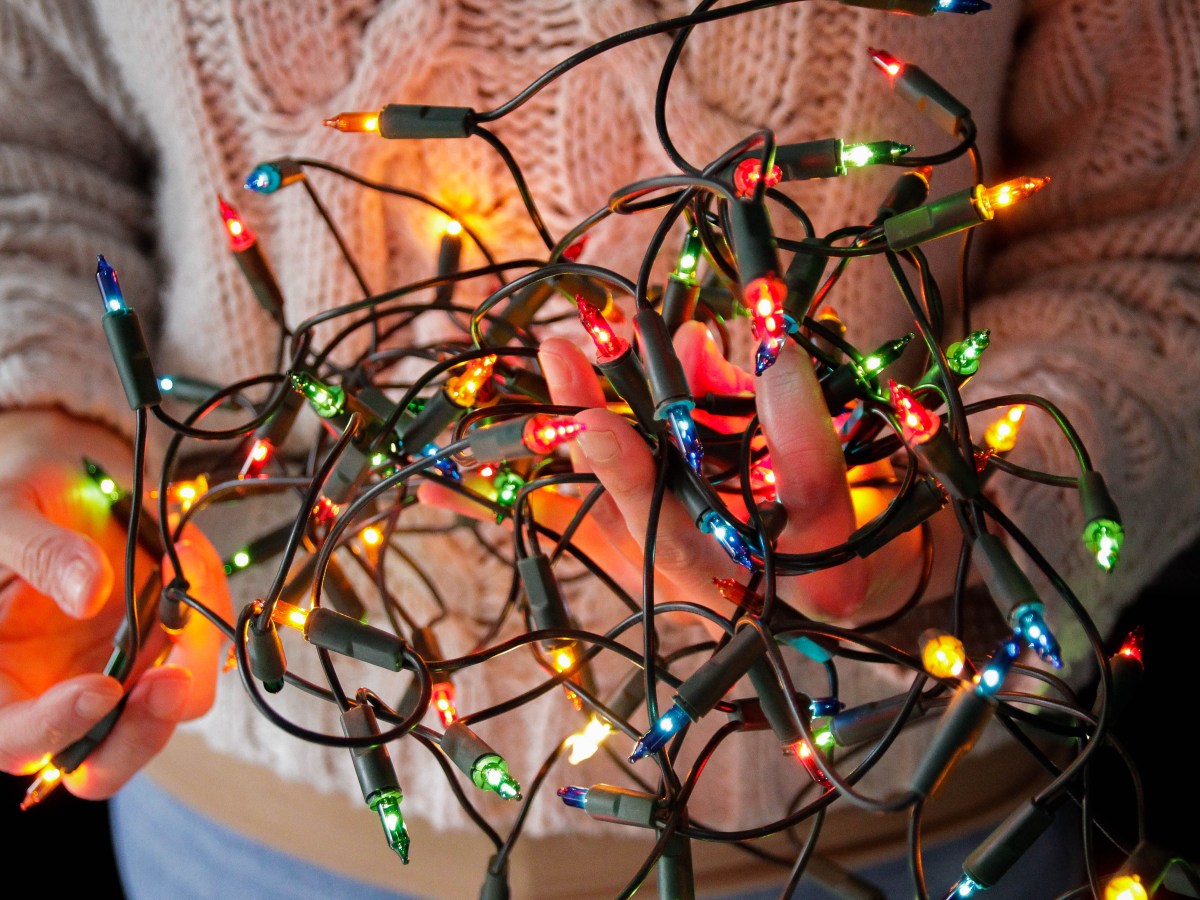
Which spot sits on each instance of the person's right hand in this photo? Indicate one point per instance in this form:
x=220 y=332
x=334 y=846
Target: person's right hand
x=62 y=600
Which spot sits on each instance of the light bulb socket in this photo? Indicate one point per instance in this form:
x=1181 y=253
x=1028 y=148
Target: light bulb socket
x=909 y=191
x=668 y=383
x=261 y=278
x=123 y=330
x=264 y=648
x=547 y=607
x=772 y=700
x=803 y=277
x=960 y=727
x=404 y=121
x=330 y=630
x=753 y=241
x=372 y=764
x=1009 y=586
x=944 y=216
x=607 y=803
x=679 y=300
x=1001 y=849
x=708 y=684
x=922 y=502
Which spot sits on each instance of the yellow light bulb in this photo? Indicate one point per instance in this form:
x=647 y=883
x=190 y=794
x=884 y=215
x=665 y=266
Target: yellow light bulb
x=943 y=656
x=988 y=200
x=1125 y=887
x=371 y=536
x=584 y=744
x=454 y=227
x=354 y=121
x=463 y=389
x=1001 y=435
x=289 y=615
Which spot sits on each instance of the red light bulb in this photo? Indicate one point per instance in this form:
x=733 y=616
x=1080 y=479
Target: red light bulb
x=807 y=758
x=543 y=433
x=608 y=345
x=916 y=422
x=325 y=511
x=442 y=701
x=240 y=237
x=747 y=174
x=764 y=298
x=888 y=64
x=1133 y=645
x=257 y=459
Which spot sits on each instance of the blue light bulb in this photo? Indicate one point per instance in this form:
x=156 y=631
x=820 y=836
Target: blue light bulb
x=264 y=179
x=997 y=667
x=110 y=288
x=966 y=7
x=654 y=739
x=574 y=796
x=446 y=466
x=965 y=888
x=679 y=417
x=728 y=537
x=1028 y=621
x=768 y=352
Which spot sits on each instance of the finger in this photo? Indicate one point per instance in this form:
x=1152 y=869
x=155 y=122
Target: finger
x=65 y=566
x=810 y=480
x=156 y=705
x=623 y=463
x=29 y=729
x=572 y=382
x=197 y=648
x=707 y=370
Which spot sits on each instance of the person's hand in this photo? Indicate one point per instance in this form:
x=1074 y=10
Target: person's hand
x=810 y=475
x=62 y=600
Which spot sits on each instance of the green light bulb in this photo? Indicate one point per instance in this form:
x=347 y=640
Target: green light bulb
x=963 y=356
x=507 y=483
x=387 y=805
x=883 y=356
x=490 y=773
x=689 y=258
x=241 y=559
x=1103 y=537
x=103 y=481
x=873 y=152
x=327 y=400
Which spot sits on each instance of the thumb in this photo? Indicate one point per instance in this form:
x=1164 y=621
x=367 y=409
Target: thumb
x=69 y=568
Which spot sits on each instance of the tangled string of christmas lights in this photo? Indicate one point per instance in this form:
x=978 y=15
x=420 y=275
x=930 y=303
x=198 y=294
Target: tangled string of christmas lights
x=479 y=421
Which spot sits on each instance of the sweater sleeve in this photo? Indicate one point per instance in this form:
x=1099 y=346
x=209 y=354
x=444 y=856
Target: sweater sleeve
x=1095 y=299
x=71 y=186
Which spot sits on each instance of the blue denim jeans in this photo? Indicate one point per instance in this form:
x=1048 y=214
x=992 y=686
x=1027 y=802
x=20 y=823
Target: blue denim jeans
x=166 y=849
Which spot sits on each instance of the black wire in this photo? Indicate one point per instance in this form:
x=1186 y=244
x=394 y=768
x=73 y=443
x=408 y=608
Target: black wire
x=131 y=536
x=519 y=180
x=617 y=40
x=915 y=862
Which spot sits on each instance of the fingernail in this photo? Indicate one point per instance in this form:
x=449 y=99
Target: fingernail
x=168 y=695
x=77 y=581
x=92 y=705
x=598 y=446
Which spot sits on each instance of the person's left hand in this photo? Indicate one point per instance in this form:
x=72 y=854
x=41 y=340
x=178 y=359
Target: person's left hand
x=810 y=480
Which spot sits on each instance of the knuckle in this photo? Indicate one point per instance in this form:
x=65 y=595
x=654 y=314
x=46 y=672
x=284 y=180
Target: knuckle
x=37 y=556
x=674 y=557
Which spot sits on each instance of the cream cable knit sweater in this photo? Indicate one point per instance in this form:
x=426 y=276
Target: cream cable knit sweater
x=120 y=120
